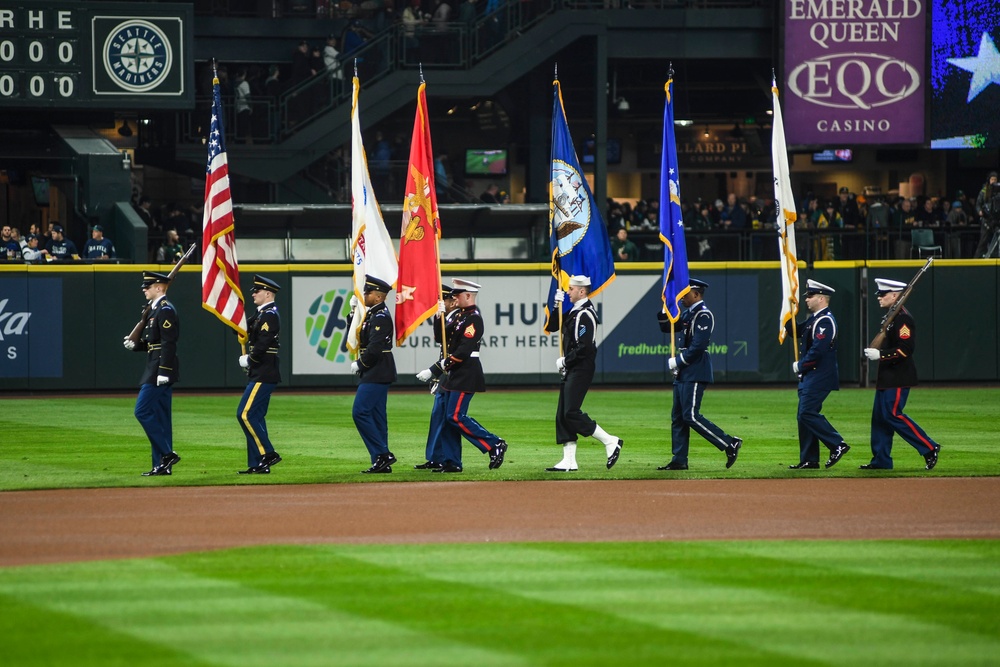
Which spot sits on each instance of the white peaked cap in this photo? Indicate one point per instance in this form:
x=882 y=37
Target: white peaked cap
x=579 y=281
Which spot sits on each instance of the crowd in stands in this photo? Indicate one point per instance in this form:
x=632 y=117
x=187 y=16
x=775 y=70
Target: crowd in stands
x=866 y=225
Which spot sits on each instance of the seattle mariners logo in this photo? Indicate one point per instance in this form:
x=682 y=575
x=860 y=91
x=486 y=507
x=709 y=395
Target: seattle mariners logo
x=326 y=325
x=570 y=206
x=137 y=55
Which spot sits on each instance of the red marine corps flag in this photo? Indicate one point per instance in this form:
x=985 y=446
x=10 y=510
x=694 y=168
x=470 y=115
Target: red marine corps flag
x=220 y=270
x=419 y=287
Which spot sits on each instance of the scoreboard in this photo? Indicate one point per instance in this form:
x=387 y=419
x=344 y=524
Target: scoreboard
x=88 y=55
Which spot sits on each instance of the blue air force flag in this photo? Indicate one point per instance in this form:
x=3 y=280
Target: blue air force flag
x=578 y=237
x=675 y=259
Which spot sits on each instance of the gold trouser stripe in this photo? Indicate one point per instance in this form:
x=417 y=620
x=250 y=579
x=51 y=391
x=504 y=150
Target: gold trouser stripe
x=246 y=420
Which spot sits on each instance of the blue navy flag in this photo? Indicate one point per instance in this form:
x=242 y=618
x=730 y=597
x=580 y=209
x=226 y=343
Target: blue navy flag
x=578 y=237
x=675 y=257
x=965 y=74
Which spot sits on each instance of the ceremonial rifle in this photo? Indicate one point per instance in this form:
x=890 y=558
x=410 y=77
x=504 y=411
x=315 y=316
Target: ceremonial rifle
x=896 y=307
x=136 y=332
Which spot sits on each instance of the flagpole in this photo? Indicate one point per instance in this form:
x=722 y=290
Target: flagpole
x=555 y=257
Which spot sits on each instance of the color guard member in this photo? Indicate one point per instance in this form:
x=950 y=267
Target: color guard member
x=693 y=371
x=465 y=378
x=896 y=374
x=153 y=407
x=579 y=333
x=376 y=370
x=819 y=374
x=263 y=374
x=434 y=431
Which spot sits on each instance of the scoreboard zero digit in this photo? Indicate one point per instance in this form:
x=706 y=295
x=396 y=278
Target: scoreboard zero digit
x=95 y=55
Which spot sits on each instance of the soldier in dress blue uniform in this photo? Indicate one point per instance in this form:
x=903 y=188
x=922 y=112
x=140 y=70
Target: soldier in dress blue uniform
x=579 y=334
x=818 y=374
x=896 y=374
x=435 y=434
x=465 y=378
x=159 y=341
x=263 y=374
x=692 y=372
x=376 y=370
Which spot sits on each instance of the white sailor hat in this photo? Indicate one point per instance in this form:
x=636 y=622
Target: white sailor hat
x=815 y=287
x=884 y=286
x=579 y=281
x=459 y=285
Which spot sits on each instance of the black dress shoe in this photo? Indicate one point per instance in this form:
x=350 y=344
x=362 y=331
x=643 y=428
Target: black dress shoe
x=836 y=454
x=270 y=459
x=931 y=459
x=497 y=454
x=732 y=451
x=169 y=460
x=157 y=471
x=872 y=466
x=377 y=469
x=428 y=465
x=447 y=467
x=389 y=459
x=613 y=459
x=805 y=465
x=255 y=470
x=555 y=469
x=674 y=465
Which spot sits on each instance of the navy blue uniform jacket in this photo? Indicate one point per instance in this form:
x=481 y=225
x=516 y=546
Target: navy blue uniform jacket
x=694 y=363
x=375 y=340
x=895 y=365
x=262 y=345
x=579 y=333
x=465 y=371
x=159 y=340
x=818 y=365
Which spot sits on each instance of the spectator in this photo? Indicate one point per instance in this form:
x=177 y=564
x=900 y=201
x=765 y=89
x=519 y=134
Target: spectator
x=31 y=252
x=848 y=209
x=956 y=216
x=9 y=246
x=623 y=249
x=929 y=215
x=331 y=59
x=491 y=195
x=59 y=246
x=734 y=216
x=272 y=84
x=467 y=13
x=413 y=18
x=171 y=250
x=243 y=109
x=717 y=209
x=145 y=211
x=98 y=247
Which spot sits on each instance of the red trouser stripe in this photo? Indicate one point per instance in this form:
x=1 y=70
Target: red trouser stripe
x=899 y=415
x=465 y=429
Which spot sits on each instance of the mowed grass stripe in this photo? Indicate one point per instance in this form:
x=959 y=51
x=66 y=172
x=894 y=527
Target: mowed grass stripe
x=726 y=595
x=96 y=442
x=224 y=620
x=784 y=603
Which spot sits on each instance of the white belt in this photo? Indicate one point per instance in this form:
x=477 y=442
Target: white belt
x=474 y=354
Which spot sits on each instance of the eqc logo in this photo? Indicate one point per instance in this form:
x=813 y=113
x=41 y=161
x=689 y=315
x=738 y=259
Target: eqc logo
x=326 y=325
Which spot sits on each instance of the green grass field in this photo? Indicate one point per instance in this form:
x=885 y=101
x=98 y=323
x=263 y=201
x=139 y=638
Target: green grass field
x=917 y=602
x=96 y=442
x=708 y=603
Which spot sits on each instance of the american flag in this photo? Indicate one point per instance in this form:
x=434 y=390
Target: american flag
x=220 y=270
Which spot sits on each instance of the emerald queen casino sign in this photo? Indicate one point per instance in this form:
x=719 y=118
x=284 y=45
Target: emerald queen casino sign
x=95 y=55
x=854 y=71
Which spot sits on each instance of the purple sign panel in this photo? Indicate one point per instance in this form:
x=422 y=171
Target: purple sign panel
x=854 y=71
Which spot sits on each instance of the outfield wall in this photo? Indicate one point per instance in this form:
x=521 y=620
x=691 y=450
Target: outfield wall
x=61 y=327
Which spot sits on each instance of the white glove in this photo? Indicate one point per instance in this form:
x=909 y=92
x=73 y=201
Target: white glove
x=560 y=295
x=245 y=361
x=440 y=307
x=425 y=375
x=795 y=367
x=561 y=364
x=672 y=363
x=161 y=380
x=354 y=301
x=128 y=343
x=355 y=368
x=872 y=353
